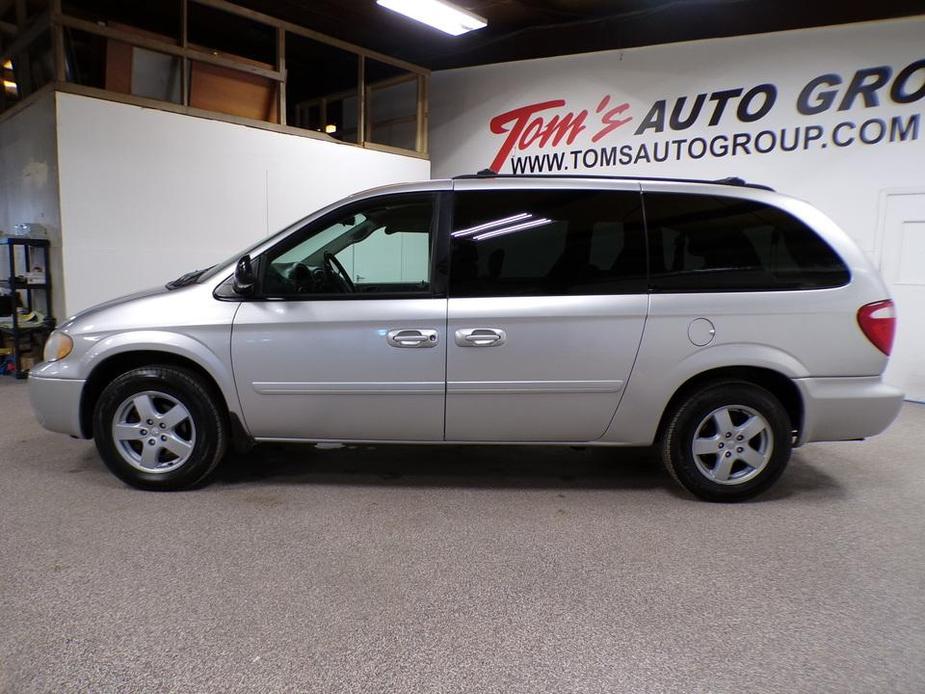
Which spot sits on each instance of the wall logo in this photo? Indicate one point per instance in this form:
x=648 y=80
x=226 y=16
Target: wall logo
x=532 y=125
x=580 y=139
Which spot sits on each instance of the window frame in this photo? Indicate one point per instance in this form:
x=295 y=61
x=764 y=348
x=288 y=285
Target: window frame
x=437 y=263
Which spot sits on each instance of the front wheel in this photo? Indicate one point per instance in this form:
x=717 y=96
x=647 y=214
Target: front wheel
x=727 y=442
x=159 y=428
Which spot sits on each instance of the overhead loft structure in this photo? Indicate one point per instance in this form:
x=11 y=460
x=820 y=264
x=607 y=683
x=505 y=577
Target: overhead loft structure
x=217 y=60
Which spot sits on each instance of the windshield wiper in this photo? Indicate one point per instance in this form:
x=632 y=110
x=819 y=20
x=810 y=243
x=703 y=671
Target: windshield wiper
x=188 y=278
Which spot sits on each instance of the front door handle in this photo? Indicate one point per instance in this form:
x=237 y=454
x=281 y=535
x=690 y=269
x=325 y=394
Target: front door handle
x=412 y=338
x=480 y=337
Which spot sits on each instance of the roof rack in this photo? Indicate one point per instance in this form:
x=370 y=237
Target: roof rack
x=728 y=181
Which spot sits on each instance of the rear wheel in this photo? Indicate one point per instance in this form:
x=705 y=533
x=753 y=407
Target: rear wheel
x=159 y=428
x=728 y=441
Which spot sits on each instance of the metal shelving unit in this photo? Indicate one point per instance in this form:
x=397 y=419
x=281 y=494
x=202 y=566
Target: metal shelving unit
x=16 y=332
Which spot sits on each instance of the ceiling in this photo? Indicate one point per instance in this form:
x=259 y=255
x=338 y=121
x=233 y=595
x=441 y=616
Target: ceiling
x=520 y=29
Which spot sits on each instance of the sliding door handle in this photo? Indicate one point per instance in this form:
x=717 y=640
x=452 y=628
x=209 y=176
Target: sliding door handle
x=480 y=337
x=412 y=338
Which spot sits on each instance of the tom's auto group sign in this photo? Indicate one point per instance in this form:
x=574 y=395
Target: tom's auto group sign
x=555 y=135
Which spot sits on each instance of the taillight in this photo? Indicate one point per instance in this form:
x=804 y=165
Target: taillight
x=878 y=323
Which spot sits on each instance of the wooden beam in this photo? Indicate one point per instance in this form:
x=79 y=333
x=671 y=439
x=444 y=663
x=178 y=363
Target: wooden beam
x=184 y=61
x=394 y=150
x=57 y=43
x=392 y=81
x=281 y=67
x=232 y=64
x=421 y=142
x=7 y=28
x=262 y=18
x=361 y=101
x=168 y=48
x=2 y=89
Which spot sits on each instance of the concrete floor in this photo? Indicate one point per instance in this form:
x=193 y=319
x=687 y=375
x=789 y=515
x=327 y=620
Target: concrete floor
x=459 y=570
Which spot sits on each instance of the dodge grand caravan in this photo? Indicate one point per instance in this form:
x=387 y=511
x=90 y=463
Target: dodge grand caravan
x=720 y=321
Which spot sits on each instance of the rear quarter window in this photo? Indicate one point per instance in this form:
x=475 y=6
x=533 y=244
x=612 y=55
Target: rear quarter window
x=715 y=243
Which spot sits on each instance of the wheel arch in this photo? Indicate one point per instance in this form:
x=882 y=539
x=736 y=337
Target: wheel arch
x=112 y=366
x=778 y=384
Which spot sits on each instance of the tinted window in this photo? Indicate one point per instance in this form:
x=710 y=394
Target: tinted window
x=381 y=246
x=707 y=243
x=547 y=242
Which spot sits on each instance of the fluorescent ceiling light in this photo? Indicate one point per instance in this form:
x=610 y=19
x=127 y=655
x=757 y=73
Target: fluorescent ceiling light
x=439 y=14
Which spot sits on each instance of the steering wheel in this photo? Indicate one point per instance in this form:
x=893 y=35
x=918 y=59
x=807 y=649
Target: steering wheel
x=301 y=278
x=335 y=270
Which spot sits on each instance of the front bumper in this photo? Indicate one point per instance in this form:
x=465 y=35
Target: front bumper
x=56 y=403
x=843 y=409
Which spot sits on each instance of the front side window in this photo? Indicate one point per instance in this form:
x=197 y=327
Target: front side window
x=547 y=242
x=712 y=243
x=375 y=247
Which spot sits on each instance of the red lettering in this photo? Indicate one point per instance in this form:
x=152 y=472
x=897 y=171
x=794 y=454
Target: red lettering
x=609 y=119
x=532 y=133
x=524 y=128
x=568 y=126
x=516 y=121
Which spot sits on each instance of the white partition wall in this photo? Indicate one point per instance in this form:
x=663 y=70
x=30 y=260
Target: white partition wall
x=832 y=115
x=147 y=195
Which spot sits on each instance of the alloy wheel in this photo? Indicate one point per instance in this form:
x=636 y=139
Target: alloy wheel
x=153 y=432
x=732 y=444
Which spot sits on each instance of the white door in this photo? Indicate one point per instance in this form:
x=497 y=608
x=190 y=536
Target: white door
x=902 y=263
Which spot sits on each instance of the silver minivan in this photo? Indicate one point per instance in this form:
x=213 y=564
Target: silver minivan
x=721 y=321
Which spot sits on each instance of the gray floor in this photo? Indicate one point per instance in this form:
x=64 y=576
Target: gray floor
x=459 y=570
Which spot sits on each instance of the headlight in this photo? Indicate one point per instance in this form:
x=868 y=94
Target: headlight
x=58 y=346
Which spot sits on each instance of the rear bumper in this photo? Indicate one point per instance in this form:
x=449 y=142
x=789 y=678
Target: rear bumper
x=841 y=409
x=56 y=403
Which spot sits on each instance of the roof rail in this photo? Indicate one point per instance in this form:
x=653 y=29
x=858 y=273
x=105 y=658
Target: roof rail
x=728 y=181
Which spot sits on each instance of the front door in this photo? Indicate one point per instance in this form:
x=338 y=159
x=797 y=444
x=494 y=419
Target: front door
x=547 y=307
x=346 y=336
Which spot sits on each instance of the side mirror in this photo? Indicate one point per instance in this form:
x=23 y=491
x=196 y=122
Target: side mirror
x=244 y=278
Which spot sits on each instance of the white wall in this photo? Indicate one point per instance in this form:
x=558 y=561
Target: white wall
x=147 y=195
x=849 y=183
x=29 y=181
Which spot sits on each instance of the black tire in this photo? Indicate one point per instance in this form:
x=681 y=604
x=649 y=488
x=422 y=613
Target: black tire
x=205 y=417
x=690 y=418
